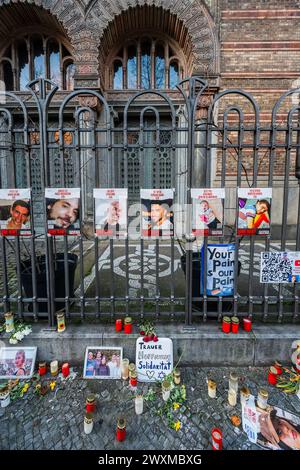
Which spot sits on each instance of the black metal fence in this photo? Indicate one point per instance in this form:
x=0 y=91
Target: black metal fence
x=154 y=141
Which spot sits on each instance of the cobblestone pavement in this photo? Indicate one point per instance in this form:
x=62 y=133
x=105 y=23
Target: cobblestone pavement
x=55 y=421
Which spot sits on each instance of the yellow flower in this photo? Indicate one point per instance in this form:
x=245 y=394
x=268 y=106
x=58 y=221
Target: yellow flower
x=25 y=388
x=177 y=425
x=52 y=385
x=176 y=406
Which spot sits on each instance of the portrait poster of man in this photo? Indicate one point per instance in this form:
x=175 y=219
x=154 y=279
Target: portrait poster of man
x=110 y=209
x=254 y=211
x=15 y=212
x=208 y=211
x=63 y=211
x=156 y=213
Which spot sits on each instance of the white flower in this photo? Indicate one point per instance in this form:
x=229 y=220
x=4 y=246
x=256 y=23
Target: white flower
x=13 y=341
x=19 y=335
x=27 y=331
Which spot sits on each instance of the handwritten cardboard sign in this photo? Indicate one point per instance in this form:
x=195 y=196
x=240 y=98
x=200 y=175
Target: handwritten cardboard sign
x=154 y=360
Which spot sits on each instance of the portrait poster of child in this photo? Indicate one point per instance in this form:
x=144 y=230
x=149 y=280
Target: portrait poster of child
x=254 y=211
x=110 y=209
x=208 y=211
x=15 y=212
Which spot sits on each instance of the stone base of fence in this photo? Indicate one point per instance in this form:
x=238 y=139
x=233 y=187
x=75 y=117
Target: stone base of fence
x=205 y=345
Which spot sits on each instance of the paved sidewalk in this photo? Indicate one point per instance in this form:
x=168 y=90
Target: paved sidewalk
x=55 y=421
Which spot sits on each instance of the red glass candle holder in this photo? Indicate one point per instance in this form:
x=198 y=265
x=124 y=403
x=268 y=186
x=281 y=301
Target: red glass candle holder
x=133 y=380
x=42 y=368
x=119 y=325
x=216 y=435
x=127 y=326
x=272 y=376
x=278 y=367
x=65 y=369
x=247 y=324
x=235 y=325
x=90 y=403
x=226 y=325
x=121 y=430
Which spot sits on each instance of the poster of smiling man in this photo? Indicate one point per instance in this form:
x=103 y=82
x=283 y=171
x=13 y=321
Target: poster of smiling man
x=15 y=211
x=110 y=209
x=157 y=214
x=63 y=211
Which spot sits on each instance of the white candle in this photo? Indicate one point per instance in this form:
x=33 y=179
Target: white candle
x=88 y=423
x=212 y=388
x=232 y=397
x=54 y=367
x=139 y=404
x=125 y=369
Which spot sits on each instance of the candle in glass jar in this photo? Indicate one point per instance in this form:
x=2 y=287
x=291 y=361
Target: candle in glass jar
x=176 y=376
x=166 y=390
x=244 y=395
x=4 y=397
x=232 y=397
x=65 y=369
x=128 y=325
x=121 y=430
x=247 y=324
x=9 y=322
x=61 y=324
x=90 y=403
x=262 y=399
x=119 y=325
x=88 y=423
x=131 y=368
x=278 y=367
x=272 y=376
x=212 y=388
x=42 y=368
x=139 y=404
x=125 y=369
x=216 y=435
x=226 y=323
x=233 y=382
x=54 y=368
x=133 y=379
x=235 y=324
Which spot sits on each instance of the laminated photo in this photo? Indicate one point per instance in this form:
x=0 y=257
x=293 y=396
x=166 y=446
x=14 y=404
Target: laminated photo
x=15 y=212
x=157 y=217
x=102 y=362
x=17 y=362
x=220 y=270
x=208 y=211
x=63 y=211
x=110 y=210
x=254 y=211
x=280 y=267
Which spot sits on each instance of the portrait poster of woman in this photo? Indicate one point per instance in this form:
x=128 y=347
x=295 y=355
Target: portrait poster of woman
x=15 y=212
x=208 y=211
x=63 y=211
x=102 y=362
x=278 y=429
x=110 y=212
x=17 y=362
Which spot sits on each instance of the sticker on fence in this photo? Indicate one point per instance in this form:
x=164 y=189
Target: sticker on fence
x=63 y=211
x=15 y=212
x=208 y=211
x=220 y=270
x=280 y=267
x=110 y=209
x=254 y=211
x=157 y=214
x=154 y=360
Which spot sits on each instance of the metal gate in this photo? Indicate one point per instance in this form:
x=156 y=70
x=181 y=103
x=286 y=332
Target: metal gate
x=155 y=141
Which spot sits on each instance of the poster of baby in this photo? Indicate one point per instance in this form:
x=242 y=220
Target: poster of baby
x=208 y=211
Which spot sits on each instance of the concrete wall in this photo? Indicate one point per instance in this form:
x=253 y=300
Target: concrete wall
x=204 y=346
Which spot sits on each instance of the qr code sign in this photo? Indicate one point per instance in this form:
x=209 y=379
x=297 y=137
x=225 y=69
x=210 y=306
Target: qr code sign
x=275 y=268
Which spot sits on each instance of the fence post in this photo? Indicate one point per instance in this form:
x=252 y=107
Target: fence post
x=191 y=89
x=43 y=91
